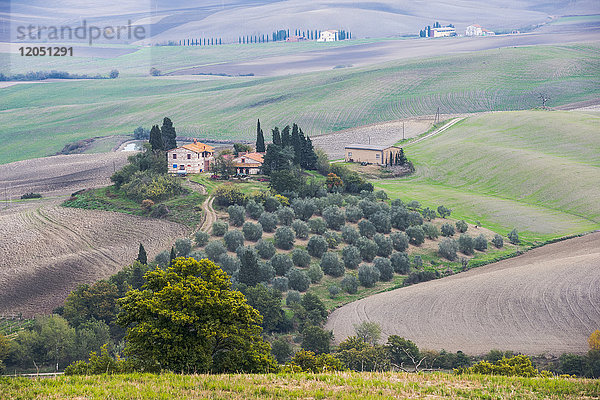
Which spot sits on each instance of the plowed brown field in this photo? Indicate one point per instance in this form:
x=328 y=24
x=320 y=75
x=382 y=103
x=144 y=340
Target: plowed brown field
x=545 y=301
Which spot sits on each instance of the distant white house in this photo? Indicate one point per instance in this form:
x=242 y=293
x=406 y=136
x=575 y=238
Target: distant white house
x=477 y=30
x=192 y=158
x=249 y=163
x=328 y=36
x=443 y=31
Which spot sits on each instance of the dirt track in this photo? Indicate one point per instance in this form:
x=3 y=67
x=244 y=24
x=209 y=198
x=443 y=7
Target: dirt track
x=545 y=301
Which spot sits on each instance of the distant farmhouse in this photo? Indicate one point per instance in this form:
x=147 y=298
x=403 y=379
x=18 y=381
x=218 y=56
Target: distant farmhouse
x=438 y=31
x=371 y=154
x=328 y=36
x=477 y=30
x=295 y=39
x=192 y=158
x=249 y=163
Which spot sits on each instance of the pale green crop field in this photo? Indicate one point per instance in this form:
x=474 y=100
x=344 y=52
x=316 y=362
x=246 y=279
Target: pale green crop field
x=39 y=119
x=537 y=171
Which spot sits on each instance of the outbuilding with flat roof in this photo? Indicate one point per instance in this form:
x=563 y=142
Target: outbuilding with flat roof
x=372 y=154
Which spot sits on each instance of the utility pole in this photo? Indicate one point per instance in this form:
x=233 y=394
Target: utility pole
x=544 y=100
x=402 y=130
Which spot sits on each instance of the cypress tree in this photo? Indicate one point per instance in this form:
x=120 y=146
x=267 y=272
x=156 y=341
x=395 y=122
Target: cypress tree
x=142 y=256
x=310 y=157
x=297 y=144
x=276 y=137
x=260 y=139
x=285 y=136
x=169 y=135
x=156 y=139
x=172 y=256
x=402 y=158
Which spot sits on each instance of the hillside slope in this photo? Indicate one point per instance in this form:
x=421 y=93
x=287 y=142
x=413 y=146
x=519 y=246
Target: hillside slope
x=545 y=301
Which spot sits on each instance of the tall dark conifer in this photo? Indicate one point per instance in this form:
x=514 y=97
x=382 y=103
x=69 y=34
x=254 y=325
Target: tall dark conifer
x=260 y=139
x=285 y=136
x=172 y=256
x=169 y=135
x=276 y=137
x=142 y=256
x=310 y=157
x=297 y=144
x=156 y=140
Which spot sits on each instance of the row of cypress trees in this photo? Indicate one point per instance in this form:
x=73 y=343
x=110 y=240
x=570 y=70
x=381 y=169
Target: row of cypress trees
x=163 y=138
x=290 y=147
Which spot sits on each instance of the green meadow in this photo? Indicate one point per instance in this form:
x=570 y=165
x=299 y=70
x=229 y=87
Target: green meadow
x=39 y=119
x=537 y=171
x=341 y=385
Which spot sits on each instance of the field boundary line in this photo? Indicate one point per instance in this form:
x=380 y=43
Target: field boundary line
x=437 y=131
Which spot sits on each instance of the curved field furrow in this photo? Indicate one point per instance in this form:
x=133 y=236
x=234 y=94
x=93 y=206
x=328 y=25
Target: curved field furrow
x=545 y=301
x=48 y=251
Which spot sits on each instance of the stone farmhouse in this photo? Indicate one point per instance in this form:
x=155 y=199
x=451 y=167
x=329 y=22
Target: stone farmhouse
x=249 y=163
x=192 y=158
x=328 y=36
x=477 y=30
x=371 y=154
x=443 y=31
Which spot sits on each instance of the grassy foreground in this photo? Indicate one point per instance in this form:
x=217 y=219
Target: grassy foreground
x=345 y=385
x=537 y=171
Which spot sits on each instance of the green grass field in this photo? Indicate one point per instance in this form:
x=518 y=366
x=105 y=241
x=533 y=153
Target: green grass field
x=343 y=385
x=39 y=119
x=537 y=171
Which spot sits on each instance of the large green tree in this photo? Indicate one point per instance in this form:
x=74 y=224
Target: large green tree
x=169 y=136
x=187 y=318
x=156 y=140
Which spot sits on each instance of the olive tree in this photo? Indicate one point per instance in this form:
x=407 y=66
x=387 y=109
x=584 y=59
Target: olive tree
x=254 y=209
x=447 y=248
x=431 y=231
x=219 y=228
x=368 y=275
x=252 y=232
x=384 y=245
x=382 y=222
x=416 y=235
x=447 y=230
x=349 y=284
x=331 y=264
x=315 y=273
x=286 y=216
x=282 y=263
x=367 y=228
x=480 y=243
x=334 y=217
x=399 y=241
x=351 y=257
x=237 y=215
x=298 y=280
x=233 y=240
x=268 y=221
x=400 y=263
x=265 y=248
x=301 y=229
x=386 y=270
x=461 y=226
x=368 y=249
x=201 y=238
x=301 y=258
x=465 y=244
x=317 y=225
x=498 y=241
x=284 y=238
x=317 y=246
x=353 y=214
x=214 y=249
x=350 y=234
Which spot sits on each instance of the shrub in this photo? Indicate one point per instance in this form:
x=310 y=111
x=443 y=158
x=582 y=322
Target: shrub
x=233 y=240
x=227 y=195
x=350 y=284
x=444 y=211
x=382 y=222
x=386 y=271
x=448 y=230
x=265 y=248
x=421 y=276
x=431 y=231
x=461 y=226
x=428 y=214
x=150 y=185
x=400 y=263
x=160 y=211
x=520 y=365
x=368 y=207
x=350 y=234
x=333 y=239
x=334 y=291
x=399 y=218
x=281 y=350
x=367 y=228
x=465 y=244
x=513 y=236
x=331 y=264
x=414 y=219
x=480 y=243
x=32 y=195
x=281 y=283
x=252 y=231
x=198 y=255
x=162 y=259
x=353 y=214
x=413 y=205
x=352 y=201
x=368 y=275
x=351 y=257
x=334 y=217
x=416 y=235
x=335 y=199
x=447 y=248
x=272 y=204
x=399 y=241
x=317 y=246
x=298 y=280
x=146 y=205
x=284 y=238
x=268 y=221
x=214 y=249
x=368 y=249
x=315 y=273
x=201 y=238
x=301 y=258
x=301 y=229
x=293 y=297
x=384 y=245
x=228 y=264
x=183 y=247
x=266 y=272
x=498 y=241
x=318 y=226
x=417 y=261
x=286 y=216
x=254 y=209
x=282 y=263
x=380 y=195
x=304 y=208
x=219 y=228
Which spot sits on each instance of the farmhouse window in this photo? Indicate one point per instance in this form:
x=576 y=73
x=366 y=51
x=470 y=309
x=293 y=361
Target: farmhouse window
x=174 y=166
x=182 y=167
x=174 y=156
x=349 y=154
x=189 y=156
x=377 y=155
x=243 y=160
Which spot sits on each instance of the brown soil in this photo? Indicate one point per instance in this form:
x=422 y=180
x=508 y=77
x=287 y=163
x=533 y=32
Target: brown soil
x=545 y=301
